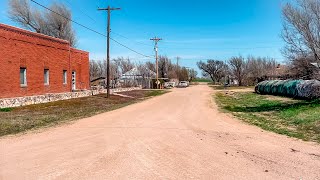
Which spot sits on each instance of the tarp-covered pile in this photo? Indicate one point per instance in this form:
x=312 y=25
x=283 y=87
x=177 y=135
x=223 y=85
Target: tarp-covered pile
x=306 y=89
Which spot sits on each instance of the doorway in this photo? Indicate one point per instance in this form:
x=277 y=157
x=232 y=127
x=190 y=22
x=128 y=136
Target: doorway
x=73 y=79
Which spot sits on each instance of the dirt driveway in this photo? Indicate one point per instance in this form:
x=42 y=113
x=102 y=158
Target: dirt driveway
x=180 y=135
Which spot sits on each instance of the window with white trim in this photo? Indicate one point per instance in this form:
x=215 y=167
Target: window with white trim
x=23 y=76
x=64 y=76
x=46 y=76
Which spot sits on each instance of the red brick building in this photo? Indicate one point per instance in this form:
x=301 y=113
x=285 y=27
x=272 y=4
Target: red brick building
x=36 y=64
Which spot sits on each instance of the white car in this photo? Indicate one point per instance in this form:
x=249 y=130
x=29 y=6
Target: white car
x=169 y=85
x=183 y=84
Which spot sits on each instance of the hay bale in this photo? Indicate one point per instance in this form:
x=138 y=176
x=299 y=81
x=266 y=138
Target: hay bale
x=260 y=87
x=309 y=89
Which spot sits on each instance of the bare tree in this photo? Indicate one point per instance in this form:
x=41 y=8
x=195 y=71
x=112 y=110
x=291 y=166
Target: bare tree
x=303 y=69
x=214 y=69
x=166 y=68
x=301 y=29
x=163 y=66
x=60 y=26
x=183 y=74
x=21 y=12
x=93 y=70
x=98 y=69
x=259 y=69
x=192 y=74
x=238 y=68
x=125 y=65
x=48 y=23
x=151 y=66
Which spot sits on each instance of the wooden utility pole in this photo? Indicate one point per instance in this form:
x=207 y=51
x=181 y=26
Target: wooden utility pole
x=109 y=9
x=156 y=40
x=178 y=58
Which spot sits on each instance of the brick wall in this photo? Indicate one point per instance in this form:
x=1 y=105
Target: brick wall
x=36 y=52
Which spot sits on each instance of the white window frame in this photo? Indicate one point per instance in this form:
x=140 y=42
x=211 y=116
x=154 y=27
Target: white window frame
x=46 y=78
x=24 y=76
x=65 y=76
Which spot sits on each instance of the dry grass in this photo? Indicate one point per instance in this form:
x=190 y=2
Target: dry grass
x=20 y=119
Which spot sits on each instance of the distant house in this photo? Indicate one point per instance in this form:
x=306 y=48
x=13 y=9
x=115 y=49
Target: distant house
x=136 y=77
x=36 y=64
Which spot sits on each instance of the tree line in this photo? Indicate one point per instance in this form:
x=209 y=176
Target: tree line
x=246 y=71
x=301 y=34
x=121 y=65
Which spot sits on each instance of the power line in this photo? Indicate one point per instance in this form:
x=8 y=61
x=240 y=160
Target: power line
x=111 y=31
x=82 y=11
x=131 y=49
x=125 y=13
x=90 y=29
x=68 y=18
x=130 y=39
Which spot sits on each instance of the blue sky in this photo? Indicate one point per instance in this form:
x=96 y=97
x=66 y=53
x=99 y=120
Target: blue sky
x=192 y=30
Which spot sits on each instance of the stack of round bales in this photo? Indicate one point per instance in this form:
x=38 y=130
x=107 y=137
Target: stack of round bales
x=307 y=89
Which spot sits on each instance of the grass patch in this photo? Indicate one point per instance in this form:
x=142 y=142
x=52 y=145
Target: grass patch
x=155 y=93
x=294 y=118
x=20 y=119
x=221 y=87
x=202 y=80
x=5 y=109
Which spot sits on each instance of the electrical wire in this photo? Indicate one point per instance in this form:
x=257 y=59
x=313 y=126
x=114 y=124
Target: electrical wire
x=130 y=48
x=131 y=39
x=90 y=29
x=82 y=11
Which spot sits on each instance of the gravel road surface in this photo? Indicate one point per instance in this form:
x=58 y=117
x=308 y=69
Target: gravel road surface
x=179 y=135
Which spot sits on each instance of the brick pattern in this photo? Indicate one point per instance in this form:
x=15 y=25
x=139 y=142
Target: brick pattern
x=36 y=52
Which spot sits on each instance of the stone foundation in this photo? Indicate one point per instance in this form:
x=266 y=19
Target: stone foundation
x=28 y=100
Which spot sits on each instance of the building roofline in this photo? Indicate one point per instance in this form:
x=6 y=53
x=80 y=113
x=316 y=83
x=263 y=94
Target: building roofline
x=27 y=32
x=79 y=50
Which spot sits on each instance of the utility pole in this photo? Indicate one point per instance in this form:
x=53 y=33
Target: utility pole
x=156 y=40
x=178 y=58
x=109 y=9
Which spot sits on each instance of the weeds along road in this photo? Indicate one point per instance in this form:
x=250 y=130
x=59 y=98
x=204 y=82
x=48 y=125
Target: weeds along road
x=180 y=135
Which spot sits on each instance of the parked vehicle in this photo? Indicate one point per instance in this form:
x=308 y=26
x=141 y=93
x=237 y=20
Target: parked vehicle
x=183 y=84
x=169 y=85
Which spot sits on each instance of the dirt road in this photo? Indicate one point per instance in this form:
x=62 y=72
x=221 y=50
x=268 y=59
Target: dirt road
x=180 y=135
